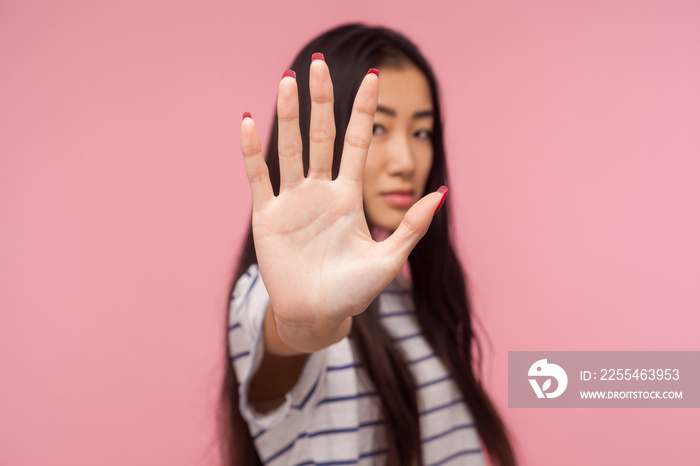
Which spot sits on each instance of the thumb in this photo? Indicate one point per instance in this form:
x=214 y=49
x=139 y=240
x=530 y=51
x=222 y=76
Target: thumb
x=415 y=223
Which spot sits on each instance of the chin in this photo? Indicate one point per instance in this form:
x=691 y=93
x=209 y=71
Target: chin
x=388 y=225
x=388 y=219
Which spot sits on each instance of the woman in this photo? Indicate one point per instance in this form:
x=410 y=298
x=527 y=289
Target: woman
x=339 y=353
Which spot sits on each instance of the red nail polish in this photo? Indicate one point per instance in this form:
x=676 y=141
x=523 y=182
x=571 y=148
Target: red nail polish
x=289 y=73
x=318 y=56
x=373 y=71
x=443 y=191
x=247 y=115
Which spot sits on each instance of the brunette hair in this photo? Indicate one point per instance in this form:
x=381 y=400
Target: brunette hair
x=439 y=283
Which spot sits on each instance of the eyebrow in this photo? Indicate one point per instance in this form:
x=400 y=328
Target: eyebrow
x=417 y=115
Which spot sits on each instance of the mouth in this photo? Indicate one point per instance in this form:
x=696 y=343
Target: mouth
x=400 y=198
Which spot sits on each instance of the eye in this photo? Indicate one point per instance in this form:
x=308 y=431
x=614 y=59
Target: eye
x=378 y=129
x=423 y=134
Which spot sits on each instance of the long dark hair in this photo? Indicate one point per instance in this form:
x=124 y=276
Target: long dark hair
x=439 y=287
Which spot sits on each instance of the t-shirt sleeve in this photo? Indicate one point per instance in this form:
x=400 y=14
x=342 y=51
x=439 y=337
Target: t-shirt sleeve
x=247 y=347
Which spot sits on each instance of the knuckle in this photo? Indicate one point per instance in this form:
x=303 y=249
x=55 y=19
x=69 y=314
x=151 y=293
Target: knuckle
x=356 y=141
x=256 y=177
x=321 y=97
x=249 y=149
x=288 y=151
x=364 y=110
x=411 y=228
x=319 y=172
x=290 y=117
x=321 y=136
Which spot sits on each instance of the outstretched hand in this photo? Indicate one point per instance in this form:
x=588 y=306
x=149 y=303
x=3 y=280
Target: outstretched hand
x=317 y=258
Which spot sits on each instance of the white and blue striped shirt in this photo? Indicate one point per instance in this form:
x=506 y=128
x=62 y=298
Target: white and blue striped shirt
x=332 y=416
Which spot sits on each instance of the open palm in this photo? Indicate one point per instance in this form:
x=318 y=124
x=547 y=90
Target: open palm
x=317 y=258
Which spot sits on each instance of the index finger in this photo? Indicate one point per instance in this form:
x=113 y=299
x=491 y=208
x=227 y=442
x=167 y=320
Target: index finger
x=359 y=133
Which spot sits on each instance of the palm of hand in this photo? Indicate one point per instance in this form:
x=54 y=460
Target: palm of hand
x=314 y=237
x=316 y=256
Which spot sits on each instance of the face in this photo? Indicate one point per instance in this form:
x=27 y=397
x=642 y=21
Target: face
x=401 y=152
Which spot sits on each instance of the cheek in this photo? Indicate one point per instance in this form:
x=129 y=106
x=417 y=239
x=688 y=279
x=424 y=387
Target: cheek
x=371 y=171
x=423 y=165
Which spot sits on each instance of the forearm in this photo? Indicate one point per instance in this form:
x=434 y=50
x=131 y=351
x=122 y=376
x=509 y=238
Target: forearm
x=282 y=365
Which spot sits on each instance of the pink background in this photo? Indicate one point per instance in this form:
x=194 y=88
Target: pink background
x=573 y=131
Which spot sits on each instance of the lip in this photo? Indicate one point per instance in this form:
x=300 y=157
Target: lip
x=400 y=198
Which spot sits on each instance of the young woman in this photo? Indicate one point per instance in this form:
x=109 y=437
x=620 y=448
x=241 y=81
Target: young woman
x=350 y=341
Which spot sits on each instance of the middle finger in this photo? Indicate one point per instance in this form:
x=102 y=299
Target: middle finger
x=322 y=126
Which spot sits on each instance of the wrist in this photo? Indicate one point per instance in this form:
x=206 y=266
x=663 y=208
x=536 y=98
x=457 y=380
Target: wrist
x=295 y=338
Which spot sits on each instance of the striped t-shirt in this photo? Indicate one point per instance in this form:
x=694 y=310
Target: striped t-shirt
x=332 y=416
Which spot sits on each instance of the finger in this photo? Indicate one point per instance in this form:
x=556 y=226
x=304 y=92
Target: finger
x=414 y=225
x=322 y=126
x=289 y=137
x=255 y=166
x=359 y=133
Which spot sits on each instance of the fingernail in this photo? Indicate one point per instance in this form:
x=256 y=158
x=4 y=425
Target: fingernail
x=247 y=115
x=289 y=73
x=318 y=56
x=443 y=191
x=373 y=71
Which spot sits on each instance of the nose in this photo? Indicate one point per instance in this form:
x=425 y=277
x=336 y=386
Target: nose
x=402 y=160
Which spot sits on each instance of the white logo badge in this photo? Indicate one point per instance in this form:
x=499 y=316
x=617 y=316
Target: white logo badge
x=543 y=369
